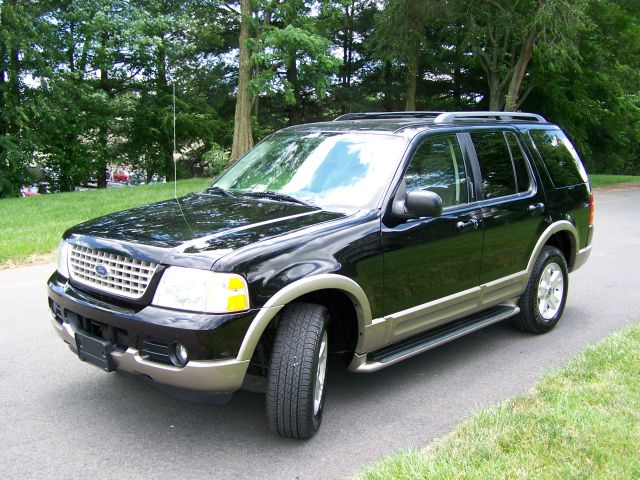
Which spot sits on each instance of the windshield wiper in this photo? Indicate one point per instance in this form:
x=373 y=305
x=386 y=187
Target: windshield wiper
x=276 y=196
x=217 y=189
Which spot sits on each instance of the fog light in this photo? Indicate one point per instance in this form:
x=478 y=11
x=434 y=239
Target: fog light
x=178 y=354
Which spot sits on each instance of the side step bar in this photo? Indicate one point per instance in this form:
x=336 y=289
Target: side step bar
x=396 y=352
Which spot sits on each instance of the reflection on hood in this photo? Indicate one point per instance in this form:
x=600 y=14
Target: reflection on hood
x=202 y=222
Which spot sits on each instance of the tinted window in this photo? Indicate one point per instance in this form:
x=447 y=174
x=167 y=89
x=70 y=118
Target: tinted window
x=438 y=166
x=498 y=176
x=559 y=156
x=523 y=179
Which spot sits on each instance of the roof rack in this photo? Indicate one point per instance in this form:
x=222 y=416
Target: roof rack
x=383 y=115
x=450 y=117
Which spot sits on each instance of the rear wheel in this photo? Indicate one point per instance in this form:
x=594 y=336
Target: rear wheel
x=542 y=303
x=297 y=371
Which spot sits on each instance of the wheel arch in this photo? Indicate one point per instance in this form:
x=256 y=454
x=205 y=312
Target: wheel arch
x=321 y=288
x=561 y=234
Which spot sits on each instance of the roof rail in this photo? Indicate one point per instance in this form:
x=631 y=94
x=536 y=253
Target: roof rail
x=383 y=115
x=450 y=117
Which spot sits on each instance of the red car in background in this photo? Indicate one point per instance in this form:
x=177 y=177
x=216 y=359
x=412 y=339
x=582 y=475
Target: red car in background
x=121 y=175
x=30 y=191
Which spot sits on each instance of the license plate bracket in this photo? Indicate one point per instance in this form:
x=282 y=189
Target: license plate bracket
x=95 y=350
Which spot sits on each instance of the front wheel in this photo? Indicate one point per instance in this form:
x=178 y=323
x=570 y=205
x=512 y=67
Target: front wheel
x=543 y=301
x=298 y=370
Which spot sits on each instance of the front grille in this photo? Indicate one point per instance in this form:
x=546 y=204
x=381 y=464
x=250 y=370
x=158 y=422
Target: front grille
x=123 y=276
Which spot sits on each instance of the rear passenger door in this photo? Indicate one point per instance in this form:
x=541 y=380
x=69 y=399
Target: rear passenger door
x=513 y=206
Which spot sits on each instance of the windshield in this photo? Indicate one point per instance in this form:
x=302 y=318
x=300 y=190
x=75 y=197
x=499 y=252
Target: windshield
x=327 y=169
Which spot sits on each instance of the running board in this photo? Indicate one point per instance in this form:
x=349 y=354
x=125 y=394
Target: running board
x=396 y=352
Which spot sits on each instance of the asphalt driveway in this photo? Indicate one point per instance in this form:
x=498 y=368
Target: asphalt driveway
x=65 y=419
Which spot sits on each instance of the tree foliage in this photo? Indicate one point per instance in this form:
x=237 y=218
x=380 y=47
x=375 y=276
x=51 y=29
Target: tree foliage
x=87 y=83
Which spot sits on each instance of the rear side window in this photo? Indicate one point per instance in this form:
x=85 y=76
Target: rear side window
x=559 y=156
x=502 y=163
x=523 y=177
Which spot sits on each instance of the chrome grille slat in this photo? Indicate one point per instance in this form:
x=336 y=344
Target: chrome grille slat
x=90 y=264
x=128 y=277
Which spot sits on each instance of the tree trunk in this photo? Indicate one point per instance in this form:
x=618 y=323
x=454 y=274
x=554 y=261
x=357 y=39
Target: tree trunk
x=345 y=46
x=349 y=59
x=71 y=47
x=414 y=27
x=388 y=86
x=82 y=67
x=457 y=88
x=242 y=135
x=161 y=68
x=3 y=80
x=14 y=82
x=412 y=79
x=515 y=85
x=495 y=102
x=4 y=117
x=103 y=154
x=101 y=167
x=495 y=92
x=164 y=92
x=294 y=111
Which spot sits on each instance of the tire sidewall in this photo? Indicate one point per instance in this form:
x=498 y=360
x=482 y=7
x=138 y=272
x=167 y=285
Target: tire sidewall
x=317 y=419
x=549 y=255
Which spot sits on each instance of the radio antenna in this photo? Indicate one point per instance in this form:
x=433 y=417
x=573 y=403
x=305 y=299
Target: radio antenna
x=175 y=160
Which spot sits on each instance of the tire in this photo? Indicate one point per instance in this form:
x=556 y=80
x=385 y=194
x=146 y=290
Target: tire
x=297 y=371
x=543 y=301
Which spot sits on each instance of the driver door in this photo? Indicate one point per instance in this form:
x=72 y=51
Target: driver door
x=432 y=264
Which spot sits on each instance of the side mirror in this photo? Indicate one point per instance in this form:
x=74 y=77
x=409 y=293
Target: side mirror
x=423 y=203
x=416 y=204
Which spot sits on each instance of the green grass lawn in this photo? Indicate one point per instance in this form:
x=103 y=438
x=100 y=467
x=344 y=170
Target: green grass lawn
x=33 y=225
x=599 y=180
x=582 y=422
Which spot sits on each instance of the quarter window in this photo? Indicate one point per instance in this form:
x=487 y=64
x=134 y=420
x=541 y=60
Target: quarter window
x=560 y=157
x=438 y=166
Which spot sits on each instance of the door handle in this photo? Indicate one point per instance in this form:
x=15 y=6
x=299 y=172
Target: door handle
x=535 y=208
x=471 y=224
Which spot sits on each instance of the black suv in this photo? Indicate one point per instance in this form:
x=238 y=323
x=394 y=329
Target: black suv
x=372 y=238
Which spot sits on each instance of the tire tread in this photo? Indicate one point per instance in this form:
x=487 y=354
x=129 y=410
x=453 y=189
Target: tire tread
x=289 y=400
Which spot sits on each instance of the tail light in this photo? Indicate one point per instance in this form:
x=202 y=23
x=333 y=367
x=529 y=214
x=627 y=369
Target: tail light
x=592 y=209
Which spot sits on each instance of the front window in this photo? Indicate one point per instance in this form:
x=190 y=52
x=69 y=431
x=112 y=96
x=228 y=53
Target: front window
x=327 y=169
x=438 y=166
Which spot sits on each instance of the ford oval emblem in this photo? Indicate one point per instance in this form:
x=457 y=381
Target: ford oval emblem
x=102 y=270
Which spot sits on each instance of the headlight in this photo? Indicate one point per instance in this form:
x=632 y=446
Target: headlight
x=201 y=291
x=63 y=254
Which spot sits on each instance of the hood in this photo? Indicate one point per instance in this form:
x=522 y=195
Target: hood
x=200 y=222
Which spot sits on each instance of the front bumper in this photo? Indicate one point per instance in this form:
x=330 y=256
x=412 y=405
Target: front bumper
x=214 y=340
x=224 y=376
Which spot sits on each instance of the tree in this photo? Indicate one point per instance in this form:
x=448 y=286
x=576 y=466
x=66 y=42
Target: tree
x=242 y=134
x=505 y=35
x=23 y=31
x=399 y=35
x=171 y=45
x=349 y=26
x=86 y=83
x=293 y=59
x=596 y=97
